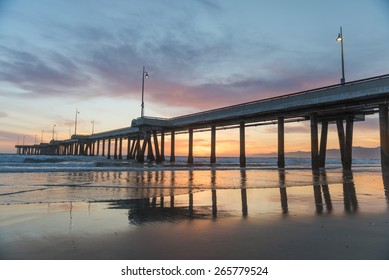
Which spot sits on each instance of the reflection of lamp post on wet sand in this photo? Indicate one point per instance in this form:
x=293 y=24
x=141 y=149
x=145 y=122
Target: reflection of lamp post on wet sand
x=340 y=39
x=144 y=75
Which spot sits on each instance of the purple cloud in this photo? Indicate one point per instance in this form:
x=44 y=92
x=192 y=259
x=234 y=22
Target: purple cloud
x=48 y=74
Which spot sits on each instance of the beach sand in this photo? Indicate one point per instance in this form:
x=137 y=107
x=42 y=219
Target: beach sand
x=341 y=221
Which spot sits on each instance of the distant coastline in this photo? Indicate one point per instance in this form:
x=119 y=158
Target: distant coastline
x=358 y=153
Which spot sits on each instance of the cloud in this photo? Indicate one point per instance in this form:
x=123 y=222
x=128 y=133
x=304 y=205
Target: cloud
x=3 y=115
x=41 y=75
x=190 y=64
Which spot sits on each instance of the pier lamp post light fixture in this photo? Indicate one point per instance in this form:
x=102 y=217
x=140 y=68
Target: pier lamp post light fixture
x=93 y=126
x=54 y=125
x=42 y=136
x=75 y=122
x=340 y=39
x=144 y=75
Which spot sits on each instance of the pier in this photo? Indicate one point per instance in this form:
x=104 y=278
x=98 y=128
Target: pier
x=340 y=105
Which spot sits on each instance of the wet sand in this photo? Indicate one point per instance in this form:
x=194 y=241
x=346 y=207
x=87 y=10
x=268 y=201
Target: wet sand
x=338 y=221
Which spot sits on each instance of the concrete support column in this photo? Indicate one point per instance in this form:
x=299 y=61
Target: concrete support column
x=384 y=136
x=120 y=147
x=281 y=143
x=323 y=144
x=103 y=148
x=98 y=147
x=190 y=152
x=162 y=145
x=339 y=125
x=133 y=149
x=109 y=149
x=213 y=145
x=150 y=154
x=115 y=152
x=138 y=150
x=128 y=148
x=141 y=154
x=92 y=148
x=156 y=147
x=348 y=143
x=172 y=148
x=82 y=149
x=314 y=143
x=242 y=156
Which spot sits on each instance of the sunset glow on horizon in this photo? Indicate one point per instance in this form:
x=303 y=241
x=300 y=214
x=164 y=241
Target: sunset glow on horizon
x=57 y=56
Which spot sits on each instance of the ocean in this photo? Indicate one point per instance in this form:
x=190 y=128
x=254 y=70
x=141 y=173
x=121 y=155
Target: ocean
x=47 y=179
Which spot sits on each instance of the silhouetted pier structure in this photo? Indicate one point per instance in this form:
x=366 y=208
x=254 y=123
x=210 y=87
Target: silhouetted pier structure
x=340 y=104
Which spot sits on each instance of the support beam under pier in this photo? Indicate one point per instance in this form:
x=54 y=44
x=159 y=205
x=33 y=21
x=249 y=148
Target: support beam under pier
x=242 y=156
x=158 y=157
x=115 y=152
x=109 y=149
x=128 y=147
x=384 y=136
x=348 y=144
x=213 y=145
x=190 y=152
x=172 y=149
x=281 y=143
x=314 y=143
x=346 y=141
x=120 y=147
x=162 y=145
x=150 y=154
x=323 y=144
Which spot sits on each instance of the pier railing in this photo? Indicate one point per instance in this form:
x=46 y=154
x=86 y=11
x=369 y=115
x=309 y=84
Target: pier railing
x=245 y=104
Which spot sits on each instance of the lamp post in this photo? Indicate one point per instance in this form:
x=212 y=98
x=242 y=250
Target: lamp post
x=340 y=39
x=54 y=125
x=42 y=136
x=93 y=126
x=144 y=75
x=75 y=122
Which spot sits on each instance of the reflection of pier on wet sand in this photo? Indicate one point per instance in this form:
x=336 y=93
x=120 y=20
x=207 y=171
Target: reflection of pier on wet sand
x=164 y=208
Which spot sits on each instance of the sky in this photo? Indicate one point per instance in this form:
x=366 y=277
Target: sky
x=60 y=56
